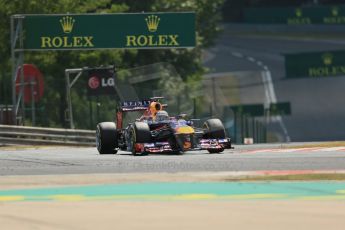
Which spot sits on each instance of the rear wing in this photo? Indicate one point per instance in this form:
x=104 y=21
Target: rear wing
x=129 y=106
x=132 y=106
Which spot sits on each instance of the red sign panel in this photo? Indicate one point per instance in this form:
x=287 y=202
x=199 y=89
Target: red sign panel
x=33 y=83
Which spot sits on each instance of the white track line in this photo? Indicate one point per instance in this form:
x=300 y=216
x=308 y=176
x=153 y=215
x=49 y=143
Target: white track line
x=331 y=149
x=312 y=149
x=301 y=150
x=271 y=98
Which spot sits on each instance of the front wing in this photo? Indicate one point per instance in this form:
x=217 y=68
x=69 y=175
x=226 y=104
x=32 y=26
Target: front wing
x=204 y=144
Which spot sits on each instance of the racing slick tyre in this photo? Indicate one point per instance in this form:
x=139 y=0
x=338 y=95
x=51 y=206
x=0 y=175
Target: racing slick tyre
x=215 y=150
x=214 y=129
x=140 y=133
x=106 y=138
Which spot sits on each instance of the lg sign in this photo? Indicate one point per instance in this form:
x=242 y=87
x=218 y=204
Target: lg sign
x=101 y=81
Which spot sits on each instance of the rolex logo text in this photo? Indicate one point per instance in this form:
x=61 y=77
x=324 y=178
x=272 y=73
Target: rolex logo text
x=335 y=17
x=153 y=39
x=67 y=24
x=328 y=68
x=298 y=19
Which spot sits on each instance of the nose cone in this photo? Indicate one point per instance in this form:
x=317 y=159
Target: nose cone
x=185 y=130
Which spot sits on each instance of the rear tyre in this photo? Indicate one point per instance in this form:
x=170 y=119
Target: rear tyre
x=106 y=138
x=140 y=133
x=215 y=150
x=214 y=129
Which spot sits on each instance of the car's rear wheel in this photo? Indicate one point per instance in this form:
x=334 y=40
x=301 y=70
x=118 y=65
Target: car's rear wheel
x=214 y=129
x=140 y=133
x=215 y=150
x=106 y=138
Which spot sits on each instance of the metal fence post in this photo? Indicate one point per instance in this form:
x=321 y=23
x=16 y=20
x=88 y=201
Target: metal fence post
x=69 y=102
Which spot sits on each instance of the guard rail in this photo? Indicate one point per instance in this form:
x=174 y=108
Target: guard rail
x=25 y=135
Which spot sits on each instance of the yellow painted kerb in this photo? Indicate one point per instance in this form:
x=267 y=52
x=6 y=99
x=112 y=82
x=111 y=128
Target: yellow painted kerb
x=12 y=198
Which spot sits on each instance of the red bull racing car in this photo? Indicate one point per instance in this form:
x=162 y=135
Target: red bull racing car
x=156 y=132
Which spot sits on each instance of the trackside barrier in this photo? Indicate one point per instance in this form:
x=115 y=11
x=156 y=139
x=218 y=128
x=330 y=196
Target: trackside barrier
x=20 y=135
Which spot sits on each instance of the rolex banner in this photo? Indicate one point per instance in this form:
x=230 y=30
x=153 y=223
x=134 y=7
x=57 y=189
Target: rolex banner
x=315 y=64
x=107 y=31
x=297 y=16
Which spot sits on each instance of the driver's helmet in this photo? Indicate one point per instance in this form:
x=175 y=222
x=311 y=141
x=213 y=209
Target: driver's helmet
x=154 y=108
x=162 y=116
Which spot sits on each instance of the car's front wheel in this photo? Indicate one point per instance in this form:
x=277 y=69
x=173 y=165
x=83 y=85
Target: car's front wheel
x=214 y=129
x=140 y=133
x=106 y=138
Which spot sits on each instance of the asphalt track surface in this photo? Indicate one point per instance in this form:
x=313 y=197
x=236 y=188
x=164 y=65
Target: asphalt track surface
x=50 y=202
x=317 y=114
x=63 y=160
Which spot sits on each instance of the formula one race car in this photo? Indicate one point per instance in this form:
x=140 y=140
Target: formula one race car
x=156 y=132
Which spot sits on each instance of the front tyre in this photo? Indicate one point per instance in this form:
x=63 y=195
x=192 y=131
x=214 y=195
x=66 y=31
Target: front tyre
x=106 y=138
x=214 y=129
x=140 y=133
